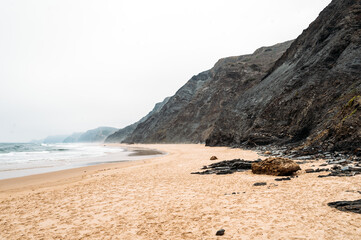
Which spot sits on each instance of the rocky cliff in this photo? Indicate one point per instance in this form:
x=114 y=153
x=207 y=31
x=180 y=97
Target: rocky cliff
x=190 y=114
x=307 y=97
x=311 y=96
x=121 y=134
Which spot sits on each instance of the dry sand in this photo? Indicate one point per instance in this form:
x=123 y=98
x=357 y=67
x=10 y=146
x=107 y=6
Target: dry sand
x=159 y=199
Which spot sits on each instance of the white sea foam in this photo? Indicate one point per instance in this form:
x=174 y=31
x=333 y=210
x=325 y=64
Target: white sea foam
x=26 y=159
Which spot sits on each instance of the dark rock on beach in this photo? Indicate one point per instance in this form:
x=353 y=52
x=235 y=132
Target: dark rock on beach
x=283 y=179
x=347 y=206
x=226 y=167
x=311 y=170
x=260 y=184
x=220 y=232
x=276 y=166
x=310 y=99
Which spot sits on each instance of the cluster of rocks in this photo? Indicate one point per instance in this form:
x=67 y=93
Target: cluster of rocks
x=340 y=168
x=311 y=170
x=233 y=193
x=269 y=166
x=227 y=167
x=276 y=179
x=279 y=166
x=339 y=164
x=343 y=171
x=347 y=206
x=305 y=154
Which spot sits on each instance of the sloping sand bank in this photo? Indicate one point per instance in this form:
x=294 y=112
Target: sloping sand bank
x=159 y=199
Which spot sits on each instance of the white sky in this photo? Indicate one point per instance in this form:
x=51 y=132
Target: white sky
x=74 y=65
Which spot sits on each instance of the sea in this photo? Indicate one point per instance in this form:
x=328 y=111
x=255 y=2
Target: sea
x=22 y=159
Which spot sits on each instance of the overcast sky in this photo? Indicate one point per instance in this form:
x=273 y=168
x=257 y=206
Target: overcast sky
x=74 y=65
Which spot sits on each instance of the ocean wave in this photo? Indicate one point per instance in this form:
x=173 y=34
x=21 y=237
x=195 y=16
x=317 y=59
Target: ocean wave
x=18 y=152
x=24 y=159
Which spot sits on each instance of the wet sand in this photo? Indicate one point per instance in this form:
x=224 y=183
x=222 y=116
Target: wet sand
x=158 y=198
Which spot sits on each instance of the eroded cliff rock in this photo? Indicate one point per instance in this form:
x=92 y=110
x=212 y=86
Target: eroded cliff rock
x=307 y=98
x=310 y=97
x=190 y=114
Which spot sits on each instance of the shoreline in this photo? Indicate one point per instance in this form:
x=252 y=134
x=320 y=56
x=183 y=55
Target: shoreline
x=123 y=154
x=159 y=198
x=61 y=176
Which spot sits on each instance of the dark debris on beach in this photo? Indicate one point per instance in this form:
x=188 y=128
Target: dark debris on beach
x=227 y=167
x=337 y=163
x=347 y=206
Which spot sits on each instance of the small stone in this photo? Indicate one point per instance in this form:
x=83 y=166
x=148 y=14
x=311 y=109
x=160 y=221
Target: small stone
x=283 y=179
x=213 y=158
x=220 y=232
x=267 y=153
x=309 y=170
x=260 y=184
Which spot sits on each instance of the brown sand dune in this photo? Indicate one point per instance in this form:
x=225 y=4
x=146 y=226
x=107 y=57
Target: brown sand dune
x=159 y=199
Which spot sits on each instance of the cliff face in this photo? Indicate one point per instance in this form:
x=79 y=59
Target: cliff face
x=311 y=96
x=190 y=115
x=121 y=134
x=307 y=97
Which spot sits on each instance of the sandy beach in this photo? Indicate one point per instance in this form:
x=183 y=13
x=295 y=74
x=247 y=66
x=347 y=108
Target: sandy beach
x=158 y=198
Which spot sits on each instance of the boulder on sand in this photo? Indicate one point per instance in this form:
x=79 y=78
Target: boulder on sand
x=276 y=166
x=213 y=158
